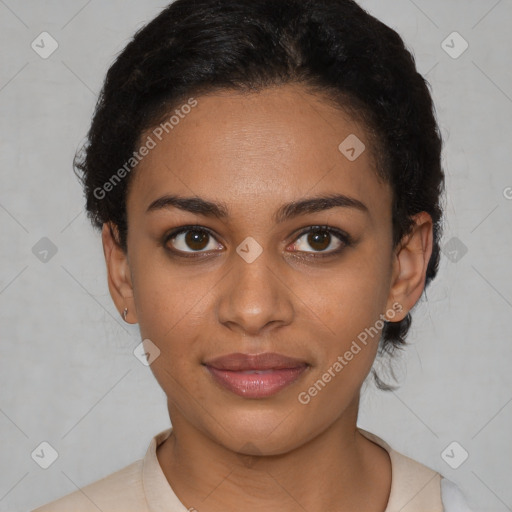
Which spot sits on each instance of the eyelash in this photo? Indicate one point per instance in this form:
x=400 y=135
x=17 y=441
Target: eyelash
x=345 y=239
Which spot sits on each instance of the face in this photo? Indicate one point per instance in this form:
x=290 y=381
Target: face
x=259 y=264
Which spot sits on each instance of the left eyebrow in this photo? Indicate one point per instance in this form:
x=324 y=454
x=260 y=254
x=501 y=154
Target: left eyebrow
x=317 y=204
x=285 y=212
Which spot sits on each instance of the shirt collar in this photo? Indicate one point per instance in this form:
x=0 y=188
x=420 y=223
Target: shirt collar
x=160 y=496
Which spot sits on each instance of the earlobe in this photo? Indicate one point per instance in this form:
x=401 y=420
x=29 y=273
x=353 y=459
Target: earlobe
x=118 y=270
x=410 y=265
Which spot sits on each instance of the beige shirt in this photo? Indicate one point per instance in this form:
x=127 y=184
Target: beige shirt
x=142 y=487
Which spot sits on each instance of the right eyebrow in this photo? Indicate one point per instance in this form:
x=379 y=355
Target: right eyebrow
x=190 y=204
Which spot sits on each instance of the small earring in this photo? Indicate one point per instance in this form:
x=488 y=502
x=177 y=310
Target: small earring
x=125 y=313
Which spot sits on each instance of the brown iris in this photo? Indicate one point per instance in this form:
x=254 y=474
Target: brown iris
x=319 y=240
x=196 y=240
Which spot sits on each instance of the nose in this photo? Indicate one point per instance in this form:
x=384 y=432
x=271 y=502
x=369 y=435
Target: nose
x=253 y=297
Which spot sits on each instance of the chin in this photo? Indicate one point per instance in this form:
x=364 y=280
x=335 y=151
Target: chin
x=260 y=431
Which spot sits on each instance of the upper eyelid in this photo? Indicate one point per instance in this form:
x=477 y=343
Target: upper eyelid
x=178 y=231
x=319 y=227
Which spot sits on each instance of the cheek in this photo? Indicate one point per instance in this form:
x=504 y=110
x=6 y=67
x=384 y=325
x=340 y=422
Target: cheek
x=349 y=309
x=168 y=315
x=172 y=312
x=352 y=296
x=166 y=298
x=346 y=354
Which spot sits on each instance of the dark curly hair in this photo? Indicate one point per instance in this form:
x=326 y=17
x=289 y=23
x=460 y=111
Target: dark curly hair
x=332 y=47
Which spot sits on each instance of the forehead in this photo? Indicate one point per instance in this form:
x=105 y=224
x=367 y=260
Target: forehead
x=269 y=147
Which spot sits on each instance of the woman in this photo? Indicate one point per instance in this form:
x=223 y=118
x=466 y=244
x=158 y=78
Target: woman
x=267 y=178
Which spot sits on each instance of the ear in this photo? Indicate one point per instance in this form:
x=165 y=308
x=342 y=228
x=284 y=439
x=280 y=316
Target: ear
x=118 y=270
x=410 y=267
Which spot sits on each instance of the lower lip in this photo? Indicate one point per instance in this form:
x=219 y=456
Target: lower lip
x=256 y=385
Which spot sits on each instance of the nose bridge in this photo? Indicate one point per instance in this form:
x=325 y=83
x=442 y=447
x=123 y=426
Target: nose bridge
x=253 y=294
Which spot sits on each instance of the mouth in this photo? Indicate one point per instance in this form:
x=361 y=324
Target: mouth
x=255 y=376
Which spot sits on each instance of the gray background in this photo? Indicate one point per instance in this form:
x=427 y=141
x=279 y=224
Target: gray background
x=67 y=372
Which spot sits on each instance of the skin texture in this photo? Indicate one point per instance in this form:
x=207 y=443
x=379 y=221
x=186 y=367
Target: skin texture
x=253 y=153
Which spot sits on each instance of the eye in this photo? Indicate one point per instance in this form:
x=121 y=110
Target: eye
x=325 y=241
x=322 y=239
x=190 y=239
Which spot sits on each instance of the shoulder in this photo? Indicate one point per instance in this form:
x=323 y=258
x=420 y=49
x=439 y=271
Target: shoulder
x=414 y=486
x=453 y=499
x=122 y=490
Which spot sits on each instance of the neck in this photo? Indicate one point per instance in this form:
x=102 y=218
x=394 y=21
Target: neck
x=338 y=469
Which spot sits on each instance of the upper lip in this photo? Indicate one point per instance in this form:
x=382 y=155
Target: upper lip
x=265 y=361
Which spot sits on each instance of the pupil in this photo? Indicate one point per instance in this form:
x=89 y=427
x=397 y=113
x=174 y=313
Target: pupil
x=196 y=240
x=319 y=239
